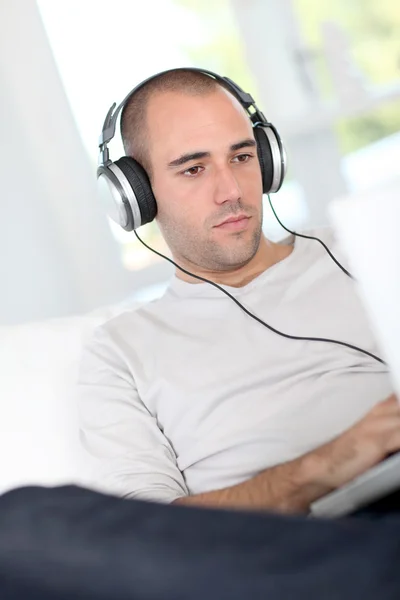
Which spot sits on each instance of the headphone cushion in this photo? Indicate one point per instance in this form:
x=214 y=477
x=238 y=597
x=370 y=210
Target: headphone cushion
x=140 y=184
x=265 y=158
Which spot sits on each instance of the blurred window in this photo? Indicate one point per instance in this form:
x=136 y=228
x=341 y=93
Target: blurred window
x=352 y=50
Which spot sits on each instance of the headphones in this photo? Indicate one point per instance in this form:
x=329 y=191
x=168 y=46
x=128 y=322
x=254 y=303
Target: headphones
x=127 y=184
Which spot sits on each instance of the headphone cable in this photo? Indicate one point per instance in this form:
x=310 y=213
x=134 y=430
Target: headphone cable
x=253 y=316
x=310 y=237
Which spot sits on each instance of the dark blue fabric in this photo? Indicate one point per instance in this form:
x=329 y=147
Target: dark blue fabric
x=69 y=543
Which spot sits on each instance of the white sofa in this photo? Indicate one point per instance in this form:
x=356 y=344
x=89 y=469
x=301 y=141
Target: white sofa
x=39 y=439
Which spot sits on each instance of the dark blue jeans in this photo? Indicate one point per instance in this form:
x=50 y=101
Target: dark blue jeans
x=69 y=543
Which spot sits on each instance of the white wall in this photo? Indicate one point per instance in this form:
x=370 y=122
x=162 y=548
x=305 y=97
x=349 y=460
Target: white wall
x=57 y=255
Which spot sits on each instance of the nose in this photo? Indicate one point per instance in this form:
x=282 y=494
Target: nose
x=226 y=186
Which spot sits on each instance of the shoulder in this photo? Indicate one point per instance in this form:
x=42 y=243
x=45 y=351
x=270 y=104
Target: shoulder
x=128 y=328
x=325 y=234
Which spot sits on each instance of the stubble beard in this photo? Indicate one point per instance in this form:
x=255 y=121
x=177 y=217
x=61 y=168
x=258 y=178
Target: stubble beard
x=209 y=254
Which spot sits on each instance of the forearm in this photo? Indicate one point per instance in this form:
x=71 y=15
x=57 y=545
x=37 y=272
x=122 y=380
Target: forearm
x=293 y=486
x=290 y=487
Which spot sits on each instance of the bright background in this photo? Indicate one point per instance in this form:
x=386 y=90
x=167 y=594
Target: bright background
x=325 y=72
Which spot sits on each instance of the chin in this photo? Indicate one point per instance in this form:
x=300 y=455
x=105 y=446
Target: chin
x=237 y=257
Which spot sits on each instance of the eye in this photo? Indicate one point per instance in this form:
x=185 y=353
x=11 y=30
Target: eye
x=192 y=171
x=242 y=158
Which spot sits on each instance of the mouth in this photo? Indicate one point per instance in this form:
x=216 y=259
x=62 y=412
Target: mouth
x=235 y=223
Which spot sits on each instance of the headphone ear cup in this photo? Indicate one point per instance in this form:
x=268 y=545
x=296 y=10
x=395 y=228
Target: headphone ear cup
x=142 y=198
x=272 y=157
x=265 y=158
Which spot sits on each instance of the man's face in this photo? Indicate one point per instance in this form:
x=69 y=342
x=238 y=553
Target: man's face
x=205 y=170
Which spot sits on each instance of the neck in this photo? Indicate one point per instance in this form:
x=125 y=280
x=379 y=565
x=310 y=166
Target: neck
x=267 y=255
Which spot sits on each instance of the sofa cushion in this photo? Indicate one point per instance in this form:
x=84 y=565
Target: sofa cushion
x=39 y=438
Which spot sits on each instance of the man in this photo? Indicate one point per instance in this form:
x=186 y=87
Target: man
x=188 y=399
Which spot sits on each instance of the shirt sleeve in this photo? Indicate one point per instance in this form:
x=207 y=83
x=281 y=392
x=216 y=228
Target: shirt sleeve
x=130 y=455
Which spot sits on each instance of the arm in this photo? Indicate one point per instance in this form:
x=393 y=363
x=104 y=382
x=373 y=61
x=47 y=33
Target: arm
x=293 y=486
x=289 y=487
x=128 y=454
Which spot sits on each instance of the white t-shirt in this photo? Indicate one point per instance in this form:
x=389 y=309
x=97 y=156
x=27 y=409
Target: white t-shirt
x=189 y=394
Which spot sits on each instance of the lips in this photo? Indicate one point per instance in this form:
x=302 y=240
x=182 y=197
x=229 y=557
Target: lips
x=236 y=224
x=233 y=219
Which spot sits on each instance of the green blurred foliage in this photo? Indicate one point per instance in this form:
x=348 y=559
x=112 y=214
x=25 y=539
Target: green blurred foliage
x=373 y=27
x=357 y=132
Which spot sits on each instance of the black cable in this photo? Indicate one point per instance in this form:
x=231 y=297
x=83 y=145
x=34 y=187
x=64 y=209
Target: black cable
x=310 y=237
x=285 y=335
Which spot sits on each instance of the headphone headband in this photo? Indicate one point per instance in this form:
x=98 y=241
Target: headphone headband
x=245 y=99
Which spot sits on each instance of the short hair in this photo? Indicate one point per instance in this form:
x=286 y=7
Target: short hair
x=134 y=114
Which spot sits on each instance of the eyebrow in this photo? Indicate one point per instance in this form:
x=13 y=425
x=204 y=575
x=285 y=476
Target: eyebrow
x=243 y=144
x=189 y=156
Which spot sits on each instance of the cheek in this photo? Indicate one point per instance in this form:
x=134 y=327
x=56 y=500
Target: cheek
x=251 y=183
x=166 y=198
x=178 y=203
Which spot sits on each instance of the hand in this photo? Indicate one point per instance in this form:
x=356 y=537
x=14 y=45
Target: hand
x=361 y=447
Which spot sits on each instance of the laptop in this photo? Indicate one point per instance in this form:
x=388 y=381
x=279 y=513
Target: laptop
x=366 y=225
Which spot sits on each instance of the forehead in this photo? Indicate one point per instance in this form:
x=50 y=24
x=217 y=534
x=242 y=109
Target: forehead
x=178 y=122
